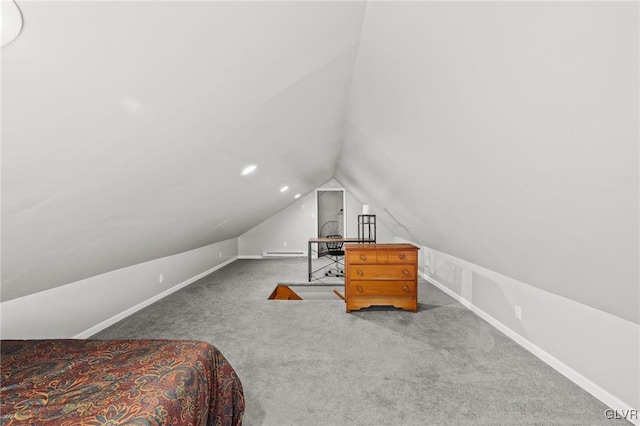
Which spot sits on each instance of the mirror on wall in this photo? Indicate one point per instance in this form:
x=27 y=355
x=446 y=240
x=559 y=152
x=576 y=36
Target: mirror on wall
x=330 y=214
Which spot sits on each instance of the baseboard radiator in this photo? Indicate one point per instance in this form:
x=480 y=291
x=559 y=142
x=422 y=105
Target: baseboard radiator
x=283 y=254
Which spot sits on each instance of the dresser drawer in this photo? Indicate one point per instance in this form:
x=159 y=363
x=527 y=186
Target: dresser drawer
x=397 y=256
x=363 y=257
x=382 y=288
x=382 y=272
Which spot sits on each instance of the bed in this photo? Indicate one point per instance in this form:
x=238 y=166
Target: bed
x=134 y=382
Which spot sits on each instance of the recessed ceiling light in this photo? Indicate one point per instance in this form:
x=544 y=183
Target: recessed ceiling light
x=297 y=196
x=249 y=169
x=284 y=188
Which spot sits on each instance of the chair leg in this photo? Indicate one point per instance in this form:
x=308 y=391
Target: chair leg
x=338 y=271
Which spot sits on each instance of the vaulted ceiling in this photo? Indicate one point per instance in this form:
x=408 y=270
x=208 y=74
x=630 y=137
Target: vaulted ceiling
x=503 y=134
x=126 y=126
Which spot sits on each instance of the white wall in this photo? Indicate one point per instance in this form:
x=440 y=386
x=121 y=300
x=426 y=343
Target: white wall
x=597 y=350
x=293 y=225
x=82 y=308
x=506 y=134
x=297 y=223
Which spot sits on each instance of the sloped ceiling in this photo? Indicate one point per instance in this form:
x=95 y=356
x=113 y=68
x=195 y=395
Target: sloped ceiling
x=125 y=126
x=505 y=134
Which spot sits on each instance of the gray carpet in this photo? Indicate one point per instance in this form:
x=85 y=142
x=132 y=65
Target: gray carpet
x=311 y=363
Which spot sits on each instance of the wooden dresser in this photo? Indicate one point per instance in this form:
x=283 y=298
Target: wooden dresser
x=381 y=274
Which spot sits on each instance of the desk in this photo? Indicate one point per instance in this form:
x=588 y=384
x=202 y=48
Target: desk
x=317 y=241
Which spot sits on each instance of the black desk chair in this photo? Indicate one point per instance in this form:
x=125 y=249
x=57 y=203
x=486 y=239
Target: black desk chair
x=336 y=254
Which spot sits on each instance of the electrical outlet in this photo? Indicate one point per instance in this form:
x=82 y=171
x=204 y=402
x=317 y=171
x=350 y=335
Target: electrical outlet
x=220 y=255
x=284 y=244
x=160 y=278
x=518 y=312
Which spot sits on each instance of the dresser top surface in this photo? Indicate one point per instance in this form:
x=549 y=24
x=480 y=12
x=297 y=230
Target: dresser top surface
x=386 y=246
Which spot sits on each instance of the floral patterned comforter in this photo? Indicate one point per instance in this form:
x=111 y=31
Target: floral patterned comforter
x=111 y=382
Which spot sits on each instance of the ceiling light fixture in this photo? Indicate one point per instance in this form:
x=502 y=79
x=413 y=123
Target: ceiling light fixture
x=297 y=196
x=284 y=188
x=249 y=169
x=11 y=22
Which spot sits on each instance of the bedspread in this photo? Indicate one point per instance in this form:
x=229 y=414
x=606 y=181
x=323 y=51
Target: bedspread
x=106 y=382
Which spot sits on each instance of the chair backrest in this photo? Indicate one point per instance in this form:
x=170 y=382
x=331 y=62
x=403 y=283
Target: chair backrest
x=334 y=246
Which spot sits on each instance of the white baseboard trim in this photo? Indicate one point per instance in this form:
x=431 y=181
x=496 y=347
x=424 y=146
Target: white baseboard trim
x=294 y=253
x=598 y=392
x=250 y=256
x=114 y=319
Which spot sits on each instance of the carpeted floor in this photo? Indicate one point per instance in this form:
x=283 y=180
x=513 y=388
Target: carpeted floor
x=311 y=363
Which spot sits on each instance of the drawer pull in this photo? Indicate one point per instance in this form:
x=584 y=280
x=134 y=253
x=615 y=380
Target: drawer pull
x=405 y=272
x=405 y=288
x=402 y=256
x=360 y=272
x=359 y=288
x=363 y=257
